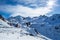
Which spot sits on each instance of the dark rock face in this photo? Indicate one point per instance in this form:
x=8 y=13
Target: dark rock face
x=1 y=17
x=28 y=24
x=17 y=25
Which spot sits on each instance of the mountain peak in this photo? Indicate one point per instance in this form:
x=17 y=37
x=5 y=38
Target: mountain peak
x=1 y=17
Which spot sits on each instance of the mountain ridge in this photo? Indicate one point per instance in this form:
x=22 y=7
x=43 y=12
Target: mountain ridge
x=42 y=25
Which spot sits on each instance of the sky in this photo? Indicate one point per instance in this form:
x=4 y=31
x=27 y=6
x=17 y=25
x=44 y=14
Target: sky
x=29 y=8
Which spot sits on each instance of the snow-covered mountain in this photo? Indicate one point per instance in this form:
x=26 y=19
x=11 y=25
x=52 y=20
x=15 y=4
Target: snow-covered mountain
x=17 y=19
x=3 y=22
x=55 y=19
x=48 y=26
x=8 y=32
x=42 y=27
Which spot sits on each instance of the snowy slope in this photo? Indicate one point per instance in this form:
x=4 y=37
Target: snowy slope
x=17 y=37
x=42 y=25
x=52 y=32
x=11 y=33
x=48 y=26
x=3 y=24
x=18 y=34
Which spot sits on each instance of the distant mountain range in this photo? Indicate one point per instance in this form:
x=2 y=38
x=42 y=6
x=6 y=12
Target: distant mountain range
x=47 y=26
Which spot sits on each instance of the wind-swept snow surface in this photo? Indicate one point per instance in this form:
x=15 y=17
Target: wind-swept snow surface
x=11 y=33
x=18 y=34
x=3 y=24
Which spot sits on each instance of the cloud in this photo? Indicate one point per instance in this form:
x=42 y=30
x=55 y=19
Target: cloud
x=27 y=11
x=30 y=3
x=34 y=3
